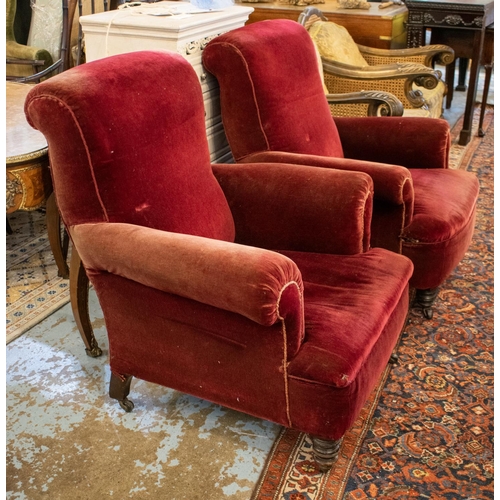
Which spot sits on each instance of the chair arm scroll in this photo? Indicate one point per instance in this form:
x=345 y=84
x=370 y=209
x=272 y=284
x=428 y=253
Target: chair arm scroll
x=379 y=103
x=297 y=207
x=245 y=280
x=428 y=55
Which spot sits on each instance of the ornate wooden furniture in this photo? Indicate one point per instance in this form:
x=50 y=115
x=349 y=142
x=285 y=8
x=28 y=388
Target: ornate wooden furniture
x=28 y=185
x=406 y=73
x=273 y=106
x=29 y=63
x=380 y=28
x=463 y=55
x=460 y=24
x=219 y=280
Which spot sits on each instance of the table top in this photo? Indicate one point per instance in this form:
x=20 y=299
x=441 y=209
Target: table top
x=332 y=6
x=453 y=4
x=170 y=16
x=22 y=142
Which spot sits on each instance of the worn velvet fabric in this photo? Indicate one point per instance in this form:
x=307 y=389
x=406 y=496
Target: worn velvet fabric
x=273 y=110
x=251 y=286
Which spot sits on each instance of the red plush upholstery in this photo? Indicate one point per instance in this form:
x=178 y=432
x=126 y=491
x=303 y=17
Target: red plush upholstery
x=274 y=110
x=250 y=285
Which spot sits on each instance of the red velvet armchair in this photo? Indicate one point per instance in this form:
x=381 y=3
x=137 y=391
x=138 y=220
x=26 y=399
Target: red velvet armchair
x=274 y=110
x=249 y=286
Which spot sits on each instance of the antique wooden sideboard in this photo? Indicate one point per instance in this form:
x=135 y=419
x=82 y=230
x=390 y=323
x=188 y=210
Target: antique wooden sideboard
x=374 y=27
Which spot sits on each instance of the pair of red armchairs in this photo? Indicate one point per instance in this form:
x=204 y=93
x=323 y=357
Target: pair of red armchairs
x=274 y=110
x=252 y=286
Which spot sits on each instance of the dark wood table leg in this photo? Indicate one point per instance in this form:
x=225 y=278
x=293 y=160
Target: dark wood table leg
x=463 y=64
x=466 y=132
x=487 y=80
x=79 y=293
x=450 y=83
x=58 y=246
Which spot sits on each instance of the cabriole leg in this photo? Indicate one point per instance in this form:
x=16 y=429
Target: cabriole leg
x=325 y=452
x=119 y=388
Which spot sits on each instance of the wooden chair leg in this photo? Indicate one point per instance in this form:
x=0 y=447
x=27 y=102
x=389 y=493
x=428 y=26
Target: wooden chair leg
x=119 y=388
x=79 y=294
x=59 y=249
x=325 y=452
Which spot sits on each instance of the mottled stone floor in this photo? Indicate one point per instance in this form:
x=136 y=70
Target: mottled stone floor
x=66 y=439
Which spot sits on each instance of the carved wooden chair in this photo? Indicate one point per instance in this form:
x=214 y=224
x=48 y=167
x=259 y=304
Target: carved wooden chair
x=251 y=286
x=406 y=73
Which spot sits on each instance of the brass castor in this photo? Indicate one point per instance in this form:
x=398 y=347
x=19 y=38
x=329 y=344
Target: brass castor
x=127 y=405
x=393 y=360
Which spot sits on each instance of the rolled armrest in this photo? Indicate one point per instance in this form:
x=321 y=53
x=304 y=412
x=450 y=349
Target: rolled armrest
x=392 y=183
x=295 y=207
x=245 y=280
x=15 y=50
x=413 y=142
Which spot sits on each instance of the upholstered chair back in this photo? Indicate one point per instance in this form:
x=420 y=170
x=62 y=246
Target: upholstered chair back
x=273 y=97
x=131 y=161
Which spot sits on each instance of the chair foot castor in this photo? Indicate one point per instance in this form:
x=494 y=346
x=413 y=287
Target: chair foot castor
x=127 y=405
x=425 y=300
x=427 y=312
x=95 y=352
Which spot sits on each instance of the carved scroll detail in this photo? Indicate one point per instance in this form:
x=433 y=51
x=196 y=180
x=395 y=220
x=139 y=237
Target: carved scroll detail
x=452 y=20
x=13 y=188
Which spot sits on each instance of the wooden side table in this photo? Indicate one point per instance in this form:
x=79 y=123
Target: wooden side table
x=28 y=184
x=462 y=25
x=374 y=27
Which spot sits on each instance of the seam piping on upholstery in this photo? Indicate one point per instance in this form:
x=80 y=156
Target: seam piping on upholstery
x=407 y=179
x=285 y=353
x=43 y=96
x=238 y=51
x=363 y=223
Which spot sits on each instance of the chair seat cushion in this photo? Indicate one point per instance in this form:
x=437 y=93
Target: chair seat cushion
x=348 y=302
x=444 y=204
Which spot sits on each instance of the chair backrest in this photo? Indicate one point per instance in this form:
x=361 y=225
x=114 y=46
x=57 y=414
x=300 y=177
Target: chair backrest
x=127 y=143
x=271 y=91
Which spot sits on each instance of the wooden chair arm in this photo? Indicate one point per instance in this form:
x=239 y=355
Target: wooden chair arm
x=379 y=103
x=427 y=55
x=407 y=74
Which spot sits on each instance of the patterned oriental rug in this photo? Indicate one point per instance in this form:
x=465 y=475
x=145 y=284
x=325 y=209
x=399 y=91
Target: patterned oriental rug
x=34 y=291
x=427 y=431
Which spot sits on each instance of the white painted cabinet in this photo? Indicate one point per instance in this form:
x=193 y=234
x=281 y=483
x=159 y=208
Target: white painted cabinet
x=170 y=26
